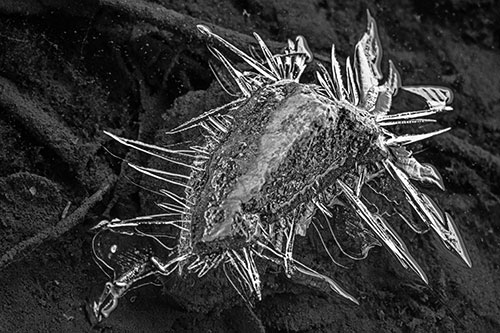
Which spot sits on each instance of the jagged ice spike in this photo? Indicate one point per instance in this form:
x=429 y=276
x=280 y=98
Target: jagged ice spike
x=367 y=60
x=412 y=138
x=193 y=122
x=436 y=97
x=431 y=214
x=384 y=232
x=249 y=60
x=337 y=77
x=237 y=76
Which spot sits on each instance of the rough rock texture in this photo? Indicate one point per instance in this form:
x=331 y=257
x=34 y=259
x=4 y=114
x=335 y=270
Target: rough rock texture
x=70 y=69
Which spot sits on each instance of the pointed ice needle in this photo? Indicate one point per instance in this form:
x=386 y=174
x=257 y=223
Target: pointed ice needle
x=384 y=232
x=302 y=268
x=407 y=139
x=430 y=213
x=337 y=76
x=194 y=122
x=249 y=60
x=412 y=114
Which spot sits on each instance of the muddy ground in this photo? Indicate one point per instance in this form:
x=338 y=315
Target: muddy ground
x=71 y=69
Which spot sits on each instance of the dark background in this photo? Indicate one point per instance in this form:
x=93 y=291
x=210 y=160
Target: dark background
x=71 y=69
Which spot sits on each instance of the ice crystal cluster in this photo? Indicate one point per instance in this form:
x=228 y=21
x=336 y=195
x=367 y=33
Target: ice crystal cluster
x=284 y=159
